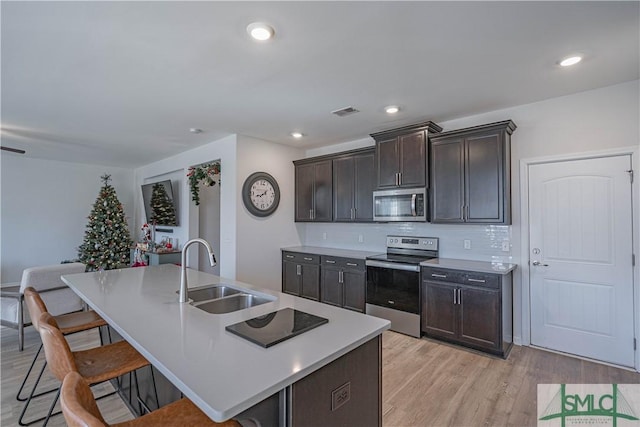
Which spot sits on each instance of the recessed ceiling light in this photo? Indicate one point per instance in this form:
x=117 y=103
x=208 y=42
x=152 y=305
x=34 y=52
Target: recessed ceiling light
x=260 y=31
x=195 y=130
x=391 y=109
x=571 y=60
x=297 y=135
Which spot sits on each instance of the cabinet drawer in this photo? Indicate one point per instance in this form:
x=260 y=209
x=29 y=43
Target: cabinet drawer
x=301 y=258
x=484 y=280
x=344 y=263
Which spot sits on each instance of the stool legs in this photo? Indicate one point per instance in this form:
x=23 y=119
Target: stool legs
x=26 y=377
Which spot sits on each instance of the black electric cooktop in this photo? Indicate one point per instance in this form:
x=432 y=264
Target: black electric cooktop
x=275 y=327
x=403 y=259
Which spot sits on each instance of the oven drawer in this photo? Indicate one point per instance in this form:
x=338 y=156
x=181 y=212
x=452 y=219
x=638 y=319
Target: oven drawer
x=484 y=280
x=344 y=263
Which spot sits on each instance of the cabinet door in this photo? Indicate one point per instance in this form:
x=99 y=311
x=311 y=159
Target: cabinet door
x=413 y=159
x=388 y=162
x=480 y=317
x=365 y=182
x=310 y=282
x=331 y=288
x=439 y=313
x=354 y=289
x=484 y=178
x=305 y=176
x=290 y=278
x=447 y=183
x=343 y=189
x=323 y=191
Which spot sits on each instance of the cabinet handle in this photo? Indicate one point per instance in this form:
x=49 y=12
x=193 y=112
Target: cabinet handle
x=351 y=264
x=308 y=259
x=289 y=256
x=329 y=261
x=310 y=213
x=459 y=296
x=399 y=178
x=454 y=296
x=477 y=280
x=462 y=212
x=442 y=276
x=467 y=217
x=298 y=269
x=353 y=213
x=340 y=277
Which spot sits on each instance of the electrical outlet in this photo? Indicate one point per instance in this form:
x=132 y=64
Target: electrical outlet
x=340 y=396
x=467 y=244
x=506 y=247
x=324 y=236
x=360 y=238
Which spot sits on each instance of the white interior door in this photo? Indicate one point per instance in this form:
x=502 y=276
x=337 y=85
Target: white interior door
x=581 y=272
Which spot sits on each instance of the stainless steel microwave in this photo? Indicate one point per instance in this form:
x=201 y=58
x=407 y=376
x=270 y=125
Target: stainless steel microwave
x=406 y=204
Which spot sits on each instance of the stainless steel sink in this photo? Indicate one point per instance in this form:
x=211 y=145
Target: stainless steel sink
x=232 y=303
x=212 y=292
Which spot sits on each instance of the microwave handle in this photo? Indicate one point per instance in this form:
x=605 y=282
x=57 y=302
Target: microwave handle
x=413 y=204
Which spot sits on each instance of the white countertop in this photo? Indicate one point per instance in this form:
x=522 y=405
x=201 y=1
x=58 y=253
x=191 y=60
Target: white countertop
x=319 y=250
x=223 y=374
x=467 y=265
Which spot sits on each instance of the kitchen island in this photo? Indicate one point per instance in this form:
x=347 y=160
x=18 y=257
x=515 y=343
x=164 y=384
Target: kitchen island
x=224 y=374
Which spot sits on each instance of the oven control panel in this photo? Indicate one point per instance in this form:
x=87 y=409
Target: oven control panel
x=407 y=242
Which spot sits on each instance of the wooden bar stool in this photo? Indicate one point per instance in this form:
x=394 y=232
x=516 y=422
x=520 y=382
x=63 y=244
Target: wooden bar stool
x=95 y=365
x=80 y=410
x=69 y=324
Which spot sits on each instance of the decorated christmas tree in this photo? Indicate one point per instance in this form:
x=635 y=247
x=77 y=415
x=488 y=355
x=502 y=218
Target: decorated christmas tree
x=106 y=240
x=162 y=211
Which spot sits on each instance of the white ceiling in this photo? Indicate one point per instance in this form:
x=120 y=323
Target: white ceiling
x=120 y=83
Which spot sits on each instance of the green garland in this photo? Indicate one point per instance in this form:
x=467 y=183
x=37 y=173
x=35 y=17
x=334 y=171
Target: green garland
x=202 y=173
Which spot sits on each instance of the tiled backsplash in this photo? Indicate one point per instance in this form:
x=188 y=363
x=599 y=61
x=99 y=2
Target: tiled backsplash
x=486 y=241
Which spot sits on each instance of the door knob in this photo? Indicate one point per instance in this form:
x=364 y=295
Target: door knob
x=539 y=264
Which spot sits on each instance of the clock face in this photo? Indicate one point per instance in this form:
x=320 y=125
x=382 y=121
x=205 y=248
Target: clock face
x=263 y=194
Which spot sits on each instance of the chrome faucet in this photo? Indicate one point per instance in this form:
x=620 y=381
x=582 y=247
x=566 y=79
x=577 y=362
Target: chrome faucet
x=184 y=293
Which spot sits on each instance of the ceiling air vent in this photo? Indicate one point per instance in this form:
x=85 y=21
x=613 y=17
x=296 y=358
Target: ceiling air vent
x=344 y=111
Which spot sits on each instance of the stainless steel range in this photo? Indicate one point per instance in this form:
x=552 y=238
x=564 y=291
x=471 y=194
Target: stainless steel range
x=393 y=281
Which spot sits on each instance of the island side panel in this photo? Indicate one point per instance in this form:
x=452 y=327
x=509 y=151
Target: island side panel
x=348 y=391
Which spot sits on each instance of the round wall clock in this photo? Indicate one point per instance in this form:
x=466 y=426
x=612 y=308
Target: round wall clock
x=261 y=194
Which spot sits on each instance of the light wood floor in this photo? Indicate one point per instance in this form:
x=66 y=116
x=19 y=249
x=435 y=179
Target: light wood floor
x=425 y=383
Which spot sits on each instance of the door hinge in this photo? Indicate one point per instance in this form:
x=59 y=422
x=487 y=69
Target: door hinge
x=630 y=172
x=634 y=343
x=633 y=260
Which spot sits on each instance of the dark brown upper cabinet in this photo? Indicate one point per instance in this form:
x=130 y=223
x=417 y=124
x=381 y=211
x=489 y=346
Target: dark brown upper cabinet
x=471 y=175
x=402 y=155
x=353 y=184
x=313 y=190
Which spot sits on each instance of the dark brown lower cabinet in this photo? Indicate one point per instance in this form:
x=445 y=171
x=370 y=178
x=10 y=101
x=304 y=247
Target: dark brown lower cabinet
x=342 y=282
x=469 y=308
x=301 y=275
x=347 y=392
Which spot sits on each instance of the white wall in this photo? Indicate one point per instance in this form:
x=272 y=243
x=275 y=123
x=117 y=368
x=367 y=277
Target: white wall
x=594 y=120
x=177 y=166
x=44 y=209
x=260 y=239
x=249 y=246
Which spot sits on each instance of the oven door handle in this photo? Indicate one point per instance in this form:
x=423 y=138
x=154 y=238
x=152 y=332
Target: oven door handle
x=392 y=265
